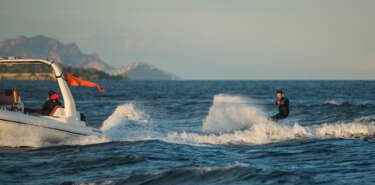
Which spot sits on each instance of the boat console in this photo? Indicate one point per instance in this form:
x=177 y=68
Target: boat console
x=11 y=101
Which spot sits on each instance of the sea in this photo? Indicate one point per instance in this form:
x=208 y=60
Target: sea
x=203 y=132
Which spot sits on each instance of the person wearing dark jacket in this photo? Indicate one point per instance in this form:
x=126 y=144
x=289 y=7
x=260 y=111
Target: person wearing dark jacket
x=283 y=104
x=52 y=101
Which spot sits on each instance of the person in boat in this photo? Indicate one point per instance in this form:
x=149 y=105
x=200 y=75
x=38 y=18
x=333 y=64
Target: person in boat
x=283 y=104
x=52 y=101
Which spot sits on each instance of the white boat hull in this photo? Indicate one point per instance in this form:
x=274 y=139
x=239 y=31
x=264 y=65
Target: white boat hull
x=17 y=129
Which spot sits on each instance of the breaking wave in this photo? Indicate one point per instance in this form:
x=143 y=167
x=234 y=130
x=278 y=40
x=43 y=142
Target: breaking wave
x=122 y=113
x=233 y=120
x=127 y=122
x=230 y=120
x=272 y=132
x=229 y=113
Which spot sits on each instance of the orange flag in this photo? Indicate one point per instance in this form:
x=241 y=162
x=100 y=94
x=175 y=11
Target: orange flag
x=74 y=81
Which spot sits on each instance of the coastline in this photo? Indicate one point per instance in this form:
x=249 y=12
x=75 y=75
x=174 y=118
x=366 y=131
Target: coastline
x=26 y=76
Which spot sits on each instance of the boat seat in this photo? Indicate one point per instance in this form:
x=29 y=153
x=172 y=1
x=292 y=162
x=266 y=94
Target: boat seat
x=6 y=100
x=9 y=97
x=58 y=111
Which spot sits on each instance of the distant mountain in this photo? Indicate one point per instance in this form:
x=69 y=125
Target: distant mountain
x=45 y=47
x=142 y=71
x=43 y=72
x=70 y=55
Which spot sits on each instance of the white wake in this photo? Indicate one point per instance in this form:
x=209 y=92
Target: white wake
x=234 y=119
x=231 y=120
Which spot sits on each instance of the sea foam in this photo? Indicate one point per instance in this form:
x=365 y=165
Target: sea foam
x=126 y=122
x=230 y=120
x=234 y=120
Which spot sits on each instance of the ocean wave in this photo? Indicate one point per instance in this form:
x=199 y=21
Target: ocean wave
x=188 y=175
x=237 y=173
x=335 y=102
x=83 y=140
x=124 y=112
x=265 y=133
x=338 y=102
x=127 y=121
x=231 y=120
x=245 y=123
x=229 y=113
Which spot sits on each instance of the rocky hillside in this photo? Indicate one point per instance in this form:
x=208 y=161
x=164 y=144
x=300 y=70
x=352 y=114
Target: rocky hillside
x=45 y=47
x=43 y=72
x=142 y=71
x=70 y=55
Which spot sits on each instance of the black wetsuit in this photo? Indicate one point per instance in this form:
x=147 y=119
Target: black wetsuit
x=283 y=104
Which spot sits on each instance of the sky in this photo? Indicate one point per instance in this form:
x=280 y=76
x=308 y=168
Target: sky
x=211 y=39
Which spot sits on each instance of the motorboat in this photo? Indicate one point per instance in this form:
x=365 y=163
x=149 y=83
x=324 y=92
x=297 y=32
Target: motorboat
x=62 y=123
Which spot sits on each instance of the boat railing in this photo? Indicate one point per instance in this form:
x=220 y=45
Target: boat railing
x=69 y=103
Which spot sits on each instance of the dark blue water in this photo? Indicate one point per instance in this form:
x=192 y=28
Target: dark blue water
x=205 y=132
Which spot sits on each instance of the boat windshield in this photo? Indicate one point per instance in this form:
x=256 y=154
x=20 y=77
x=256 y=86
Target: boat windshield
x=26 y=72
x=35 y=98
